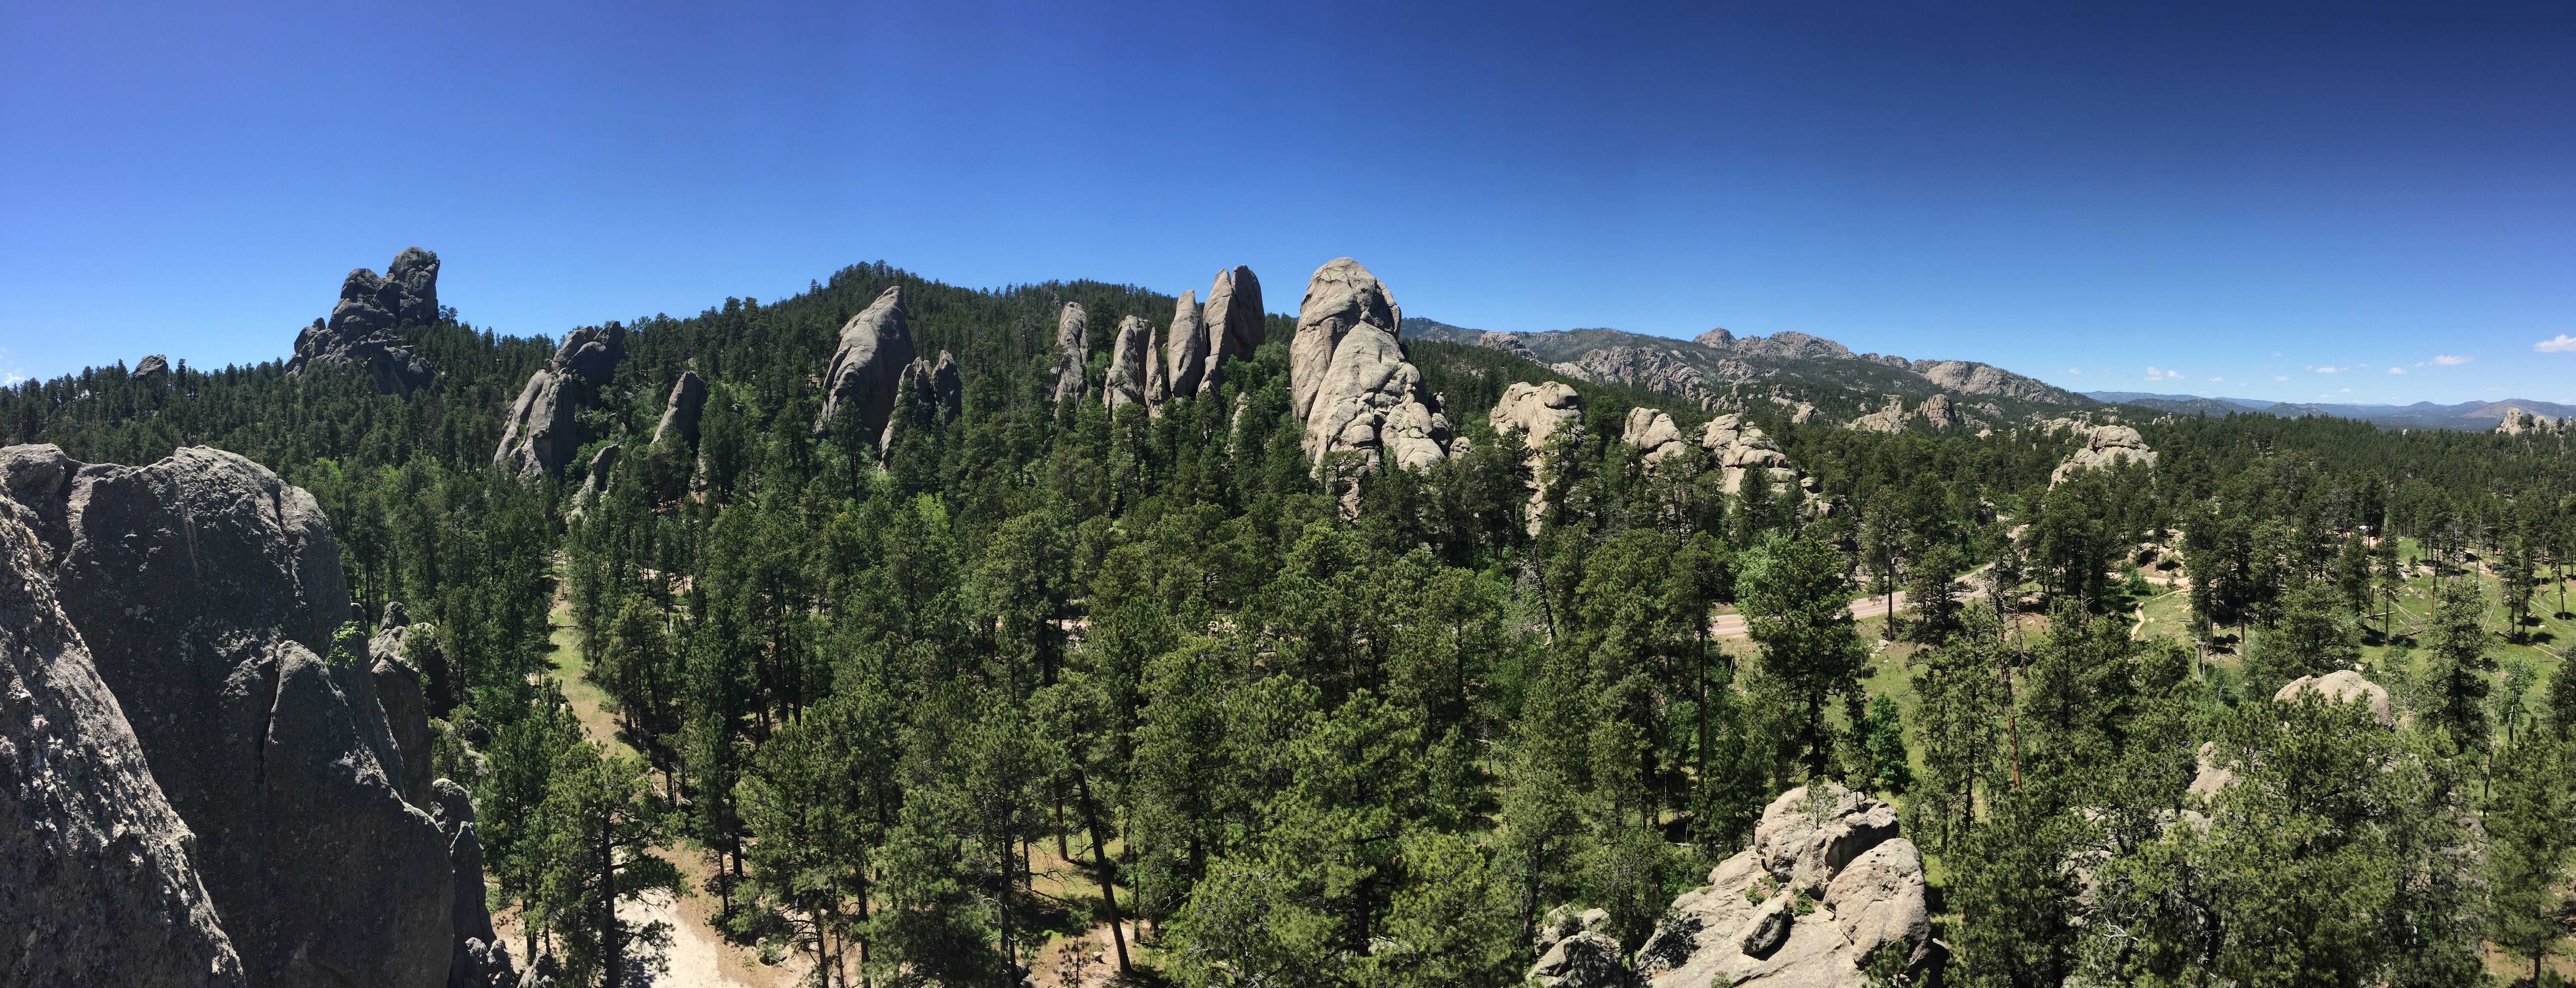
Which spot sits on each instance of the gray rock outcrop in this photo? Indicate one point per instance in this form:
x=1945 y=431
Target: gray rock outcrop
x=208 y=592
x=1072 y=351
x=1741 y=449
x=544 y=428
x=1939 y=412
x=2104 y=447
x=360 y=332
x=1508 y=343
x=1778 y=346
x=1234 y=323
x=151 y=367
x=2516 y=420
x=1968 y=377
x=1574 y=952
x=98 y=883
x=1888 y=418
x=678 y=429
x=1539 y=411
x=930 y=394
x=1186 y=347
x=2340 y=686
x=1649 y=369
x=867 y=367
x=1130 y=353
x=1349 y=380
x=1827 y=883
x=1651 y=430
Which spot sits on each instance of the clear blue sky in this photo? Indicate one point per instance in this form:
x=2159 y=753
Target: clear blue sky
x=2233 y=193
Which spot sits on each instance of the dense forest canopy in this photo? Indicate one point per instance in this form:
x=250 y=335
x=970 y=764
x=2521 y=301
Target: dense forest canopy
x=1040 y=666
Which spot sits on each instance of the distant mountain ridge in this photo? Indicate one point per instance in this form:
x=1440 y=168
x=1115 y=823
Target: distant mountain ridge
x=2476 y=416
x=1790 y=368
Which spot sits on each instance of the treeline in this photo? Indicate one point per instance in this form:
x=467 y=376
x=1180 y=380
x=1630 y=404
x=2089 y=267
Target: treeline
x=1296 y=744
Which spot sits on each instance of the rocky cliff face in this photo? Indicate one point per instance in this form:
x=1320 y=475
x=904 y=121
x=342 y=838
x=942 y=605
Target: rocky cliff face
x=98 y=885
x=1888 y=418
x=679 y=426
x=1072 y=350
x=1651 y=430
x=1650 y=369
x=1349 y=381
x=1741 y=449
x=1131 y=353
x=544 y=430
x=1233 y=322
x=360 y=332
x=867 y=368
x=2104 y=446
x=1827 y=891
x=208 y=593
x=1186 y=347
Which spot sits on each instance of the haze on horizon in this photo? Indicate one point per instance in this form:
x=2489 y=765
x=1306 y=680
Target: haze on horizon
x=2340 y=203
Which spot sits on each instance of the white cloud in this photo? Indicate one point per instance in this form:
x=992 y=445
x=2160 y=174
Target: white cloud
x=2215 y=377
x=2329 y=370
x=2164 y=375
x=2282 y=378
x=2397 y=370
x=2075 y=370
x=2562 y=344
x=2344 y=390
x=2448 y=360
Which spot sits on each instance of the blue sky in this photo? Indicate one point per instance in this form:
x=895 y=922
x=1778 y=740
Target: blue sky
x=2253 y=200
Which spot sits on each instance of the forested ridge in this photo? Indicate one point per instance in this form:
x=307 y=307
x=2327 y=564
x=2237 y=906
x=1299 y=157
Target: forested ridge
x=1040 y=667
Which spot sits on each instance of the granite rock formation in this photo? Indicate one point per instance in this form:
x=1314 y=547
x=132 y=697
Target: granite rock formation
x=1939 y=412
x=1888 y=418
x=1129 y=354
x=1778 y=346
x=1508 y=343
x=151 y=367
x=1651 y=430
x=928 y=394
x=1234 y=323
x=2340 y=686
x=1348 y=378
x=98 y=883
x=2105 y=446
x=1186 y=347
x=360 y=332
x=1741 y=448
x=208 y=593
x=1574 y=952
x=2516 y=420
x=679 y=426
x=1539 y=411
x=867 y=368
x=1072 y=351
x=544 y=428
x=1650 y=369
x=1972 y=378
x=1826 y=884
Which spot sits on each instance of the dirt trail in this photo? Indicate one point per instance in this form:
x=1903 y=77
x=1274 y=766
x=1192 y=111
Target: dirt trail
x=698 y=957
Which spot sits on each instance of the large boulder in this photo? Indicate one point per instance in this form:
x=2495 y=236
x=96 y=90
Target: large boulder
x=1186 y=347
x=98 y=883
x=1350 y=382
x=544 y=428
x=2339 y=686
x=867 y=368
x=209 y=593
x=2104 y=447
x=360 y=332
x=151 y=367
x=1651 y=430
x=679 y=425
x=1072 y=351
x=1131 y=352
x=1234 y=322
x=1539 y=411
x=1826 y=884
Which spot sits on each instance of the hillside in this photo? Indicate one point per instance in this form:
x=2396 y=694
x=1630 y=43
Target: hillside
x=945 y=632
x=2467 y=416
x=1720 y=369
